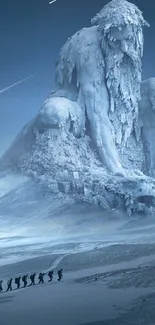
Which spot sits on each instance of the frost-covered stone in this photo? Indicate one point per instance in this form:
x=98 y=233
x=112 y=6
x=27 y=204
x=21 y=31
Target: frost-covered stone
x=76 y=175
x=53 y=187
x=64 y=187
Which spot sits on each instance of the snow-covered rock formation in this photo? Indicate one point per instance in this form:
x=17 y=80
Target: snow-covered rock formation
x=93 y=137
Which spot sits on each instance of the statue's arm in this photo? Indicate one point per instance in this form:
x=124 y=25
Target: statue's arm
x=96 y=100
x=82 y=53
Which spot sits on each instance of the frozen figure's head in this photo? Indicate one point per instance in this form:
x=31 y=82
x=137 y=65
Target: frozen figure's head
x=120 y=24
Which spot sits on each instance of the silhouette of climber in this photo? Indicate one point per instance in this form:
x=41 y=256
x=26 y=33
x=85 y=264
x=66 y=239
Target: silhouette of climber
x=32 y=278
x=50 y=275
x=9 y=284
x=17 y=281
x=1 y=285
x=24 y=279
x=41 y=278
x=60 y=275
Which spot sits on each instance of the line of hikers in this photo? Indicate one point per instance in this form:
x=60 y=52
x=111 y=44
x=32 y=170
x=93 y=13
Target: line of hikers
x=32 y=278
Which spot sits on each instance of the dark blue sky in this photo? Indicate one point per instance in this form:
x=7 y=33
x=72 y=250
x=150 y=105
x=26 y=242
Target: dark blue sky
x=32 y=33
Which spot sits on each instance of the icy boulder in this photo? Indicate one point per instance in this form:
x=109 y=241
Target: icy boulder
x=59 y=112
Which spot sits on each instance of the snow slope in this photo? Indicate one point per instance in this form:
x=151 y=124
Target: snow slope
x=35 y=222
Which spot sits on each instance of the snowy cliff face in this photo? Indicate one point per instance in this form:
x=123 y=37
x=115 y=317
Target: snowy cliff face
x=92 y=139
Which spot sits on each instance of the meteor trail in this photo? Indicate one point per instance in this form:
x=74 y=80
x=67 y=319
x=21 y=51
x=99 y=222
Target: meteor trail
x=15 y=84
x=51 y=2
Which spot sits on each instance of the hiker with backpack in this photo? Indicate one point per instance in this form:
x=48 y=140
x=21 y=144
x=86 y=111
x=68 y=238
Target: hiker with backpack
x=32 y=278
x=9 y=284
x=24 y=279
x=17 y=282
x=1 y=286
x=50 y=275
x=60 y=275
x=41 y=278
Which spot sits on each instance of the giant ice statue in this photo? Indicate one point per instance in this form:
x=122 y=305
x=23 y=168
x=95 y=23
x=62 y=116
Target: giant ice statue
x=94 y=135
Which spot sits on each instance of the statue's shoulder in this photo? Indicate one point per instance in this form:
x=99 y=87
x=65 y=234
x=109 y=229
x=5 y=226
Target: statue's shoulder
x=148 y=83
x=88 y=36
x=148 y=88
x=148 y=93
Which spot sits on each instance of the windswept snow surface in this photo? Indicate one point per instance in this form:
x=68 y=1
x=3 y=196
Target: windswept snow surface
x=9 y=182
x=35 y=223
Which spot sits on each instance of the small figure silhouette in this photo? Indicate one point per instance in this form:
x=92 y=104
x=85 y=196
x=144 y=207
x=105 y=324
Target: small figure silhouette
x=41 y=278
x=1 y=285
x=24 y=279
x=60 y=275
x=50 y=275
x=17 y=281
x=32 y=278
x=9 y=284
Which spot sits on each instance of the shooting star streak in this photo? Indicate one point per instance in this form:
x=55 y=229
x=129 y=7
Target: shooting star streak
x=52 y=2
x=15 y=84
